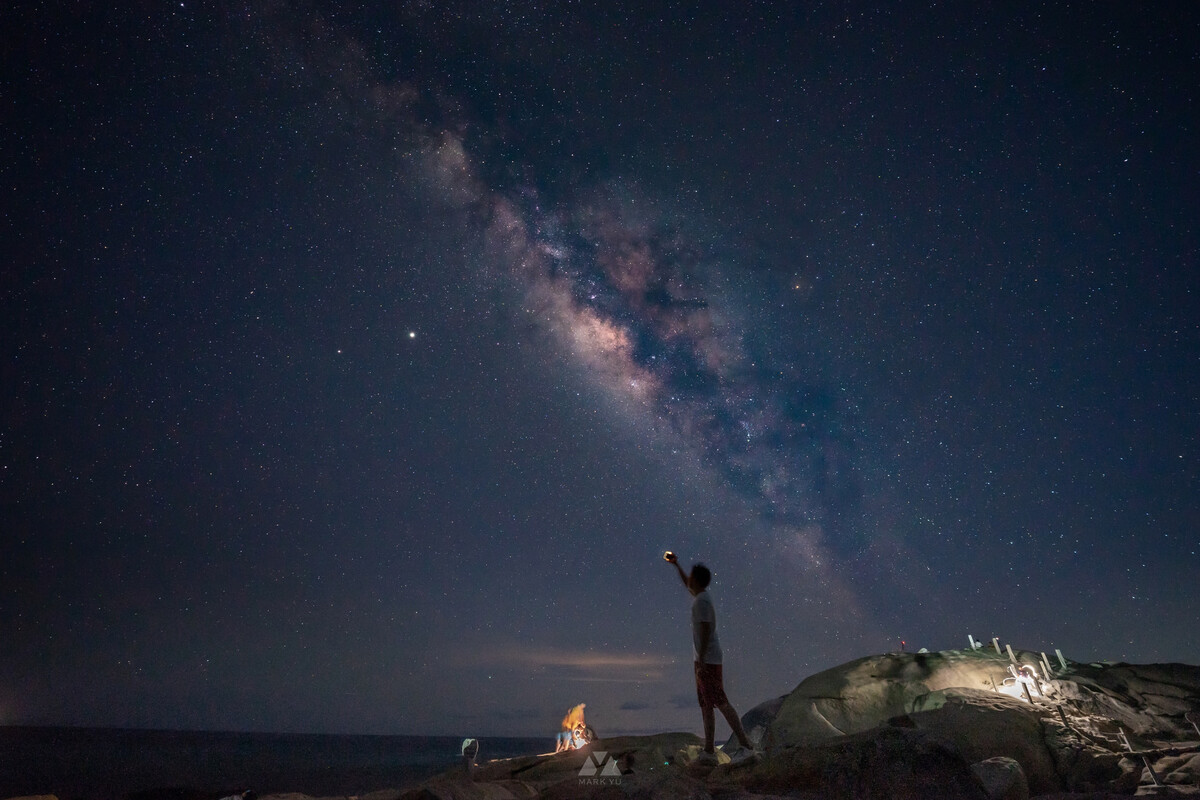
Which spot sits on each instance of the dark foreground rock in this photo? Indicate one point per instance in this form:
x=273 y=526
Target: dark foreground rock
x=884 y=764
x=936 y=726
x=985 y=725
x=898 y=763
x=1002 y=778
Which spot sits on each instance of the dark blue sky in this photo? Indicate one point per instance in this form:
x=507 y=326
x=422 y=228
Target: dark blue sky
x=359 y=365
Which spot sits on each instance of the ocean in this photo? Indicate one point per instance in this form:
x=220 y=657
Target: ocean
x=104 y=763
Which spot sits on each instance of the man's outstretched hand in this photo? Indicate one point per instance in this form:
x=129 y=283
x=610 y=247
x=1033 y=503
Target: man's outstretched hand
x=669 y=556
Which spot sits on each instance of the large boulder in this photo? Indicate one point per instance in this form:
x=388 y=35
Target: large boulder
x=862 y=694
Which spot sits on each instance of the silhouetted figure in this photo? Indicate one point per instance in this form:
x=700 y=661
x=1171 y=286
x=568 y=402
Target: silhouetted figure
x=710 y=685
x=470 y=752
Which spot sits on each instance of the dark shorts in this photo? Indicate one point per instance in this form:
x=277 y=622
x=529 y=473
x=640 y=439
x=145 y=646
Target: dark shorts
x=710 y=687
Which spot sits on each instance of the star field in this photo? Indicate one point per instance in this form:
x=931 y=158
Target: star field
x=360 y=363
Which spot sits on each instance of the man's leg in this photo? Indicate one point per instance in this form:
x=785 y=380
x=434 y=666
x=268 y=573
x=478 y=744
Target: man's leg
x=706 y=705
x=735 y=723
x=710 y=727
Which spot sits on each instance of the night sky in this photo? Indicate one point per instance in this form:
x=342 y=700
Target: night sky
x=359 y=364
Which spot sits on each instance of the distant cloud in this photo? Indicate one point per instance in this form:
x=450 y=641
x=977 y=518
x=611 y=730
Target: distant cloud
x=683 y=700
x=589 y=659
x=575 y=665
x=508 y=714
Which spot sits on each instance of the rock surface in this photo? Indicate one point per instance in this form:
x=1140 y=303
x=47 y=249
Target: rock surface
x=882 y=763
x=986 y=725
x=862 y=694
x=1002 y=778
x=757 y=720
x=902 y=725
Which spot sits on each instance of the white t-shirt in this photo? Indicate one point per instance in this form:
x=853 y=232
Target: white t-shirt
x=703 y=611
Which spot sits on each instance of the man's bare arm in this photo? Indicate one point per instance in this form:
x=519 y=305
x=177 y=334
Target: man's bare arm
x=674 y=561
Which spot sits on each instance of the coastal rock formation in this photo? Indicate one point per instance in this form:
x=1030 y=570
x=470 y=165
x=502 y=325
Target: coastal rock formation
x=954 y=724
x=862 y=694
x=1074 y=735
x=1149 y=701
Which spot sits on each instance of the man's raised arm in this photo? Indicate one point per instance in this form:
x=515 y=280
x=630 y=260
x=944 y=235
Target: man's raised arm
x=674 y=561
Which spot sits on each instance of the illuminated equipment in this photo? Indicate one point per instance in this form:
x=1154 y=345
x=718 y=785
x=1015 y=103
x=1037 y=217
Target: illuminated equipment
x=1022 y=683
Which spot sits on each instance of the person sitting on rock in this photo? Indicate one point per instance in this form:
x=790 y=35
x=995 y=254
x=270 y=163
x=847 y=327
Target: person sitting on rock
x=583 y=735
x=568 y=738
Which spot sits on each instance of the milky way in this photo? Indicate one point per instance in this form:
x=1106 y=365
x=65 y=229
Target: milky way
x=646 y=307
x=620 y=281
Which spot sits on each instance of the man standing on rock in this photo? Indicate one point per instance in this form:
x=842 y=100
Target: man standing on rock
x=710 y=688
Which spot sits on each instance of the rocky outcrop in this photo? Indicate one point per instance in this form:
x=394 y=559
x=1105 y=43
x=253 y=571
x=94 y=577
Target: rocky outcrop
x=862 y=694
x=1074 y=736
x=897 y=726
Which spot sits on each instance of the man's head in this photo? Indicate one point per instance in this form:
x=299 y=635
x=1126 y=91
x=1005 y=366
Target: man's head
x=699 y=579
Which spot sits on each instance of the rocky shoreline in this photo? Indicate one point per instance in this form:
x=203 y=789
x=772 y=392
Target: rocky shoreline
x=950 y=725
x=953 y=725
